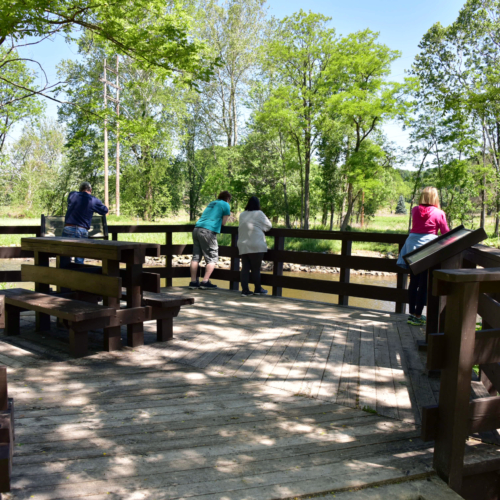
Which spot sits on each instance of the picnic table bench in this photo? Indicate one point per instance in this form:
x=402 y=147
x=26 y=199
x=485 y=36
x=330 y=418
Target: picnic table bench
x=105 y=282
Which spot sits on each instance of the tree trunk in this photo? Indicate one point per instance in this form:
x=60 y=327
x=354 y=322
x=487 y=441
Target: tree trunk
x=350 y=203
x=324 y=217
x=332 y=212
x=306 y=188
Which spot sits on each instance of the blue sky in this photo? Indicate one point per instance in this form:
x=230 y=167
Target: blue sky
x=401 y=25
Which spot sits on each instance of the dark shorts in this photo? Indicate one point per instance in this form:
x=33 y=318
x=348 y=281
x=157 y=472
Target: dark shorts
x=205 y=243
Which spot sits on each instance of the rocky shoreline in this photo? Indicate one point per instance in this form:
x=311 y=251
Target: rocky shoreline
x=225 y=263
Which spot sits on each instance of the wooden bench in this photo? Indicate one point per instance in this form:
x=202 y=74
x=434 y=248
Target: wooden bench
x=164 y=308
x=80 y=316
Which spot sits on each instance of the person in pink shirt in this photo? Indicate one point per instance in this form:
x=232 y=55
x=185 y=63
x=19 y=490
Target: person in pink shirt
x=427 y=220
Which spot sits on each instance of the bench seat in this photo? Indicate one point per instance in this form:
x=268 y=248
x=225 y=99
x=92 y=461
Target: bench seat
x=81 y=316
x=165 y=308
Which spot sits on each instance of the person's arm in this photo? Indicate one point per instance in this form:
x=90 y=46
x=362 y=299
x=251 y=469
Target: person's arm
x=443 y=225
x=266 y=223
x=100 y=207
x=226 y=212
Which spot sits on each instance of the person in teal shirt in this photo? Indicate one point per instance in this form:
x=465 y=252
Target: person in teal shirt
x=205 y=239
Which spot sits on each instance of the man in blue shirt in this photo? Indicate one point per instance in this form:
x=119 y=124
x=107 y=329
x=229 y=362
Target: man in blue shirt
x=205 y=239
x=81 y=208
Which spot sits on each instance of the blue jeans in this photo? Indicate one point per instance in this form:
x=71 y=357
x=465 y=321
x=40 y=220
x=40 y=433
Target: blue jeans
x=74 y=232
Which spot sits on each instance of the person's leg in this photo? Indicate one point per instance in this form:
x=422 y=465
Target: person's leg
x=245 y=272
x=255 y=264
x=209 y=269
x=421 y=294
x=195 y=261
x=210 y=250
x=412 y=293
x=80 y=233
x=68 y=232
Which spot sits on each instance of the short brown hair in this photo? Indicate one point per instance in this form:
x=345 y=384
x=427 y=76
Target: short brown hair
x=429 y=196
x=225 y=196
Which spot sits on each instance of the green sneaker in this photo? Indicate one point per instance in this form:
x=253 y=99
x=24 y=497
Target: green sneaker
x=411 y=319
x=417 y=321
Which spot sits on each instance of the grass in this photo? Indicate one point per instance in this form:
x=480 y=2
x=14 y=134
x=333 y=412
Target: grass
x=382 y=223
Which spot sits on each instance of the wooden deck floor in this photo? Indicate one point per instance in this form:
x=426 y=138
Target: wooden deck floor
x=255 y=398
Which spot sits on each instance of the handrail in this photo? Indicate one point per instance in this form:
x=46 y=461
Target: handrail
x=455 y=352
x=278 y=256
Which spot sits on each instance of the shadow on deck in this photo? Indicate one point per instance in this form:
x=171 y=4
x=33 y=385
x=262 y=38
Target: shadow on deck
x=255 y=398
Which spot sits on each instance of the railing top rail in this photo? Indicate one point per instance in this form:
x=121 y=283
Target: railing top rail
x=20 y=229
x=468 y=275
x=283 y=232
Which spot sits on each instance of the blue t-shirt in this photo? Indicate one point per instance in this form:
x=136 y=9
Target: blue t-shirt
x=81 y=208
x=211 y=218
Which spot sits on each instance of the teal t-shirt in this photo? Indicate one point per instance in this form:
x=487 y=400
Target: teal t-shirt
x=211 y=218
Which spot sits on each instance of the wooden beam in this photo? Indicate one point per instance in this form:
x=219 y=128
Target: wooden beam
x=108 y=286
x=4 y=396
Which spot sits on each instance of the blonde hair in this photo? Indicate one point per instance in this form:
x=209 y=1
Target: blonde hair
x=429 y=196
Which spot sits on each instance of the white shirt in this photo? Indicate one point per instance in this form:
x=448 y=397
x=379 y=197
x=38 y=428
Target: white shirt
x=251 y=238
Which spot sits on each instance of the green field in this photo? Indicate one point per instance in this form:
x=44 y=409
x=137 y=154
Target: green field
x=380 y=224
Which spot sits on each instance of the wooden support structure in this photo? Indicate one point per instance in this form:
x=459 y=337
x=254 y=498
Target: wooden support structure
x=455 y=352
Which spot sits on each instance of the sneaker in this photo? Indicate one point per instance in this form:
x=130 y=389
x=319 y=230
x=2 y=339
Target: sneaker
x=246 y=293
x=411 y=319
x=417 y=322
x=194 y=285
x=206 y=285
x=260 y=292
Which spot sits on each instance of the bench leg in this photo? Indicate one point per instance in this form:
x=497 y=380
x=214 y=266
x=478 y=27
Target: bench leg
x=42 y=322
x=112 y=338
x=135 y=334
x=12 y=320
x=164 y=329
x=78 y=342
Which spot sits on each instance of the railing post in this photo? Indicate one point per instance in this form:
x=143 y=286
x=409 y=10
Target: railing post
x=401 y=284
x=454 y=392
x=279 y=244
x=345 y=272
x=235 y=261
x=168 y=258
x=115 y=236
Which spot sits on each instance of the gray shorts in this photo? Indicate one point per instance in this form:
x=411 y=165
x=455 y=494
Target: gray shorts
x=205 y=242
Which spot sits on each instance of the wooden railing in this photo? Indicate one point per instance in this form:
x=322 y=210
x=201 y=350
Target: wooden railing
x=345 y=261
x=455 y=352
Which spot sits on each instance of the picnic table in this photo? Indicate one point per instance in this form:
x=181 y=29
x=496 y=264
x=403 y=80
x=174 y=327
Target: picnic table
x=89 y=282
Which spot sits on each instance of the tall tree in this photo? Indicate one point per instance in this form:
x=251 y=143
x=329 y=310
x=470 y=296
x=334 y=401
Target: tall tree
x=296 y=62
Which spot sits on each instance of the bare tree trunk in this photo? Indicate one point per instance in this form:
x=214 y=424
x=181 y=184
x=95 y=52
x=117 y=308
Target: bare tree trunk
x=332 y=211
x=350 y=203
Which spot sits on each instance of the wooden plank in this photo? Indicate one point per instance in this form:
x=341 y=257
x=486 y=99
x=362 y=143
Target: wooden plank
x=4 y=396
x=367 y=388
x=424 y=395
x=405 y=397
x=296 y=380
x=315 y=372
x=72 y=310
x=384 y=381
x=108 y=286
x=489 y=310
x=349 y=381
x=331 y=378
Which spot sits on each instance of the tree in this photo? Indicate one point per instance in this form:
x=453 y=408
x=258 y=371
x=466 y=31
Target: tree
x=154 y=33
x=36 y=164
x=401 y=207
x=233 y=32
x=296 y=62
x=364 y=99
x=152 y=110
x=13 y=106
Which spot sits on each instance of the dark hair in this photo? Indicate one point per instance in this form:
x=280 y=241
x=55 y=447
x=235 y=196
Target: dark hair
x=253 y=204
x=85 y=186
x=225 y=196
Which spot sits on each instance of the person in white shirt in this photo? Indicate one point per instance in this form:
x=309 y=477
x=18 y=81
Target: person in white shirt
x=252 y=244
